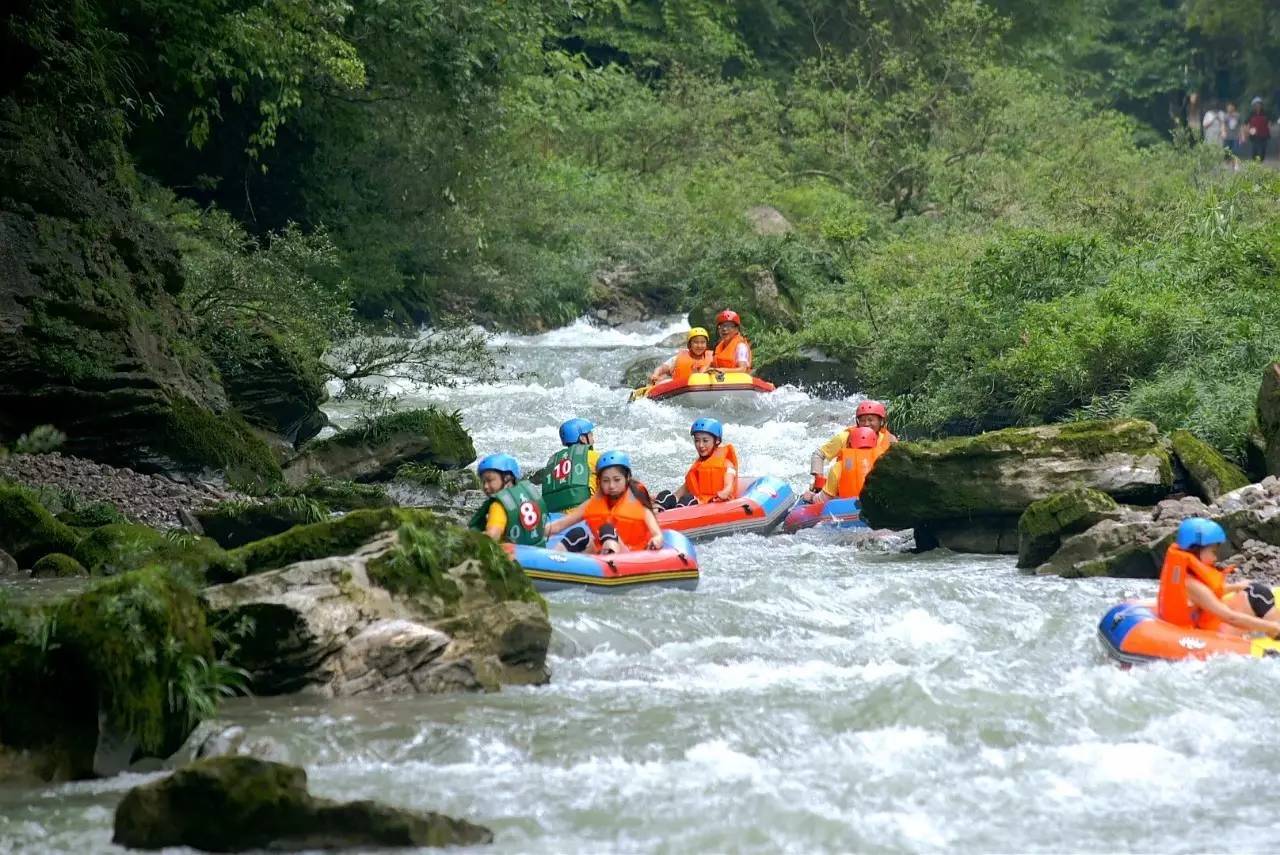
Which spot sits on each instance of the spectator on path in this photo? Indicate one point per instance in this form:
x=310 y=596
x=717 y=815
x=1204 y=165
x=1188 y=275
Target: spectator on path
x=1231 y=128
x=1258 y=130
x=1194 y=115
x=1214 y=126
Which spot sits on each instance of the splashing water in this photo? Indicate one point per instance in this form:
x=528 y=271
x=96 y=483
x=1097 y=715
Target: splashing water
x=816 y=693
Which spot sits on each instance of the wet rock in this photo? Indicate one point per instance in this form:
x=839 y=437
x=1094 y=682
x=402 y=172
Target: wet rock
x=221 y=739
x=1044 y=523
x=1269 y=417
x=989 y=536
x=376 y=452
x=813 y=370
x=234 y=804
x=237 y=523
x=58 y=566
x=1258 y=561
x=276 y=387
x=636 y=374
x=8 y=564
x=1211 y=475
x=28 y=532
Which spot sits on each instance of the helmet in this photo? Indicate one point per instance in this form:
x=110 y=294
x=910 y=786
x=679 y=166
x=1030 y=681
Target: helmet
x=695 y=332
x=614 y=458
x=710 y=426
x=871 y=408
x=574 y=429
x=1198 y=531
x=499 y=463
x=863 y=437
x=728 y=316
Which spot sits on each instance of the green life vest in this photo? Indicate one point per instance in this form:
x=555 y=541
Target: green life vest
x=526 y=515
x=568 y=481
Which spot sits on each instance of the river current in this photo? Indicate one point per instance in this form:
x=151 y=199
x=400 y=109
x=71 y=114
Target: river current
x=821 y=692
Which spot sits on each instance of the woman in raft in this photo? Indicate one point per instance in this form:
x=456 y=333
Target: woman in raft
x=1193 y=589
x=696 y=358
x=713 y=477
x=620 y=517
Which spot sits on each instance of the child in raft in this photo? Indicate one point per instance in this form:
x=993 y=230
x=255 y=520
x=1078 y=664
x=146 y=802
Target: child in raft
x=869 y=414
x=569 y=478
x=512 y=513
x=849 y=472
x=713 y=477
x=696 y=358
x=620 y=517
x=1193 y=590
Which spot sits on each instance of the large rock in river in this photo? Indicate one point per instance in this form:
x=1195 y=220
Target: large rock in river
x=967 y=493
x=375 y=452
x=1211 y=475
x=1269 y=416
x=234 y=804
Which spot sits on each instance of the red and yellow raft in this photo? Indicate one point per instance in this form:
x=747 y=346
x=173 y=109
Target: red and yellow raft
x=1131 y=633
x=706 y=388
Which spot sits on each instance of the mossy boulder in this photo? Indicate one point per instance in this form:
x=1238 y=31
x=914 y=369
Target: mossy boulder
x=93 y=515
x=277 y=385
x=28 y=532
x=1269 y=417
x=233 y=804
x=1211 y=475
x=998 y=475
x=811 y=369
x=340 y=495
x=1044 y=523
x=237 y=523
x=189 y=437
x=58 y=566
x=339 y=536
x=119 y=547
x=94 y=680
x=376 y=451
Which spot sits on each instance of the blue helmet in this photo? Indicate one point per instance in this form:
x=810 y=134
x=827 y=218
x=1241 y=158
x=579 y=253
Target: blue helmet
x=574 y=429
x=710 y=426
x=499 y=463
x=614 y=458
x=1198 y=531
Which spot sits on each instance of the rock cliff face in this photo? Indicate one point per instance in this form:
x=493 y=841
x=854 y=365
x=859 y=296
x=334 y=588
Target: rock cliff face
x=1269 y=417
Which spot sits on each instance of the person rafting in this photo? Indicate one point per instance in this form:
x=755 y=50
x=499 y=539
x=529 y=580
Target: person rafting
x=713 y=477
x=1193 y=589
x=849 y=469
x=733 y=351
x=511 y=513
x=620 y=517
x=569 y=478
x=869 y=414
x=696 y=358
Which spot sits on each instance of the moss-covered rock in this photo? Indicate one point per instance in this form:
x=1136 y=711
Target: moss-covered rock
x=190 y=437
x=1003 y=472
x=232 y=804
x=132 y=654
x=1269 y=417
x=237 y=523
x=28 y=531
x=277 y=385
x=1044 y=523
x=376 y=451
x=56 y=565
x=93 y=515
x=339 y=536
x=1211 y=474
x=119 y=547
x=339 y=495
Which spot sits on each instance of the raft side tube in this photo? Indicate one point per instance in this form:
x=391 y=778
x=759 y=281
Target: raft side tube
x=761 y=504
x=675 y=565
x=833 y=513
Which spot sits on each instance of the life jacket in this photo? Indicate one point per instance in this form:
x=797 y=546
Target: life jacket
x=706 y=477
x=526 y=515
x=687 y=365
x=1172 y=603
x=627 y=515
x=884 y=440
x=851 y=469
x=568 y=481
x=726 y=348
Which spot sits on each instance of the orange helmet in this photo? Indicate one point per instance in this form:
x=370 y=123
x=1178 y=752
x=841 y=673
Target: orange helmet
x=728 y=316
x=871 y=408
x=863 y=437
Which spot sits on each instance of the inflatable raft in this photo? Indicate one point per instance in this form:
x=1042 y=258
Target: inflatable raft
x=833 y=513
x=702 y=389
x=673 y=566
x=1131 y=633
x=760 y=505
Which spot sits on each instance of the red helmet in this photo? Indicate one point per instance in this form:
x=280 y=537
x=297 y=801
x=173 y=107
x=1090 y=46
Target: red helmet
x=871 y=408
x=728 y=316
x=863 y=438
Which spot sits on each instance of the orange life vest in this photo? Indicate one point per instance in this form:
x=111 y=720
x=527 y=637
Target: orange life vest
x=626 y=513
x=687 y=364
x=706 y=477
x=854 y=464
x=1172 y=603
x=726 y=350
x=885 y=440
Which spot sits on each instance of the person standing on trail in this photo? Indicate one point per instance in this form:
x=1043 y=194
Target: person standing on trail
x=1231 y=129
x=1214 y=125
x=1258 y=130
x=1194 y=115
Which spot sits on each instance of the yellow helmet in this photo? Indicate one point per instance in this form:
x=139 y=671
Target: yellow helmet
x=695 y=332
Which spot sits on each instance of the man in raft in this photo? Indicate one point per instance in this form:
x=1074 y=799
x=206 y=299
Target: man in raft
x=569 y=478
x=694 y=359
x=733 y=351
x=713 y=477
x=869 y=414
x=512 y=513
x=849 y=472
x=620 y=516
x=1193 y=590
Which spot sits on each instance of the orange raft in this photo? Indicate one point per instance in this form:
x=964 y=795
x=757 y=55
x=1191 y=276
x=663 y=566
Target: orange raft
x=705 y=388
x=761 y=503
x=1131 y=633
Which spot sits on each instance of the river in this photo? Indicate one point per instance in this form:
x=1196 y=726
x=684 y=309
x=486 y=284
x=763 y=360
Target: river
x=818 y=692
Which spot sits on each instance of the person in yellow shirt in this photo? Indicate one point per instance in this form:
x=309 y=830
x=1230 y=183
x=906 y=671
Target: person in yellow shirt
x=512 y=513
x=870 y=414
